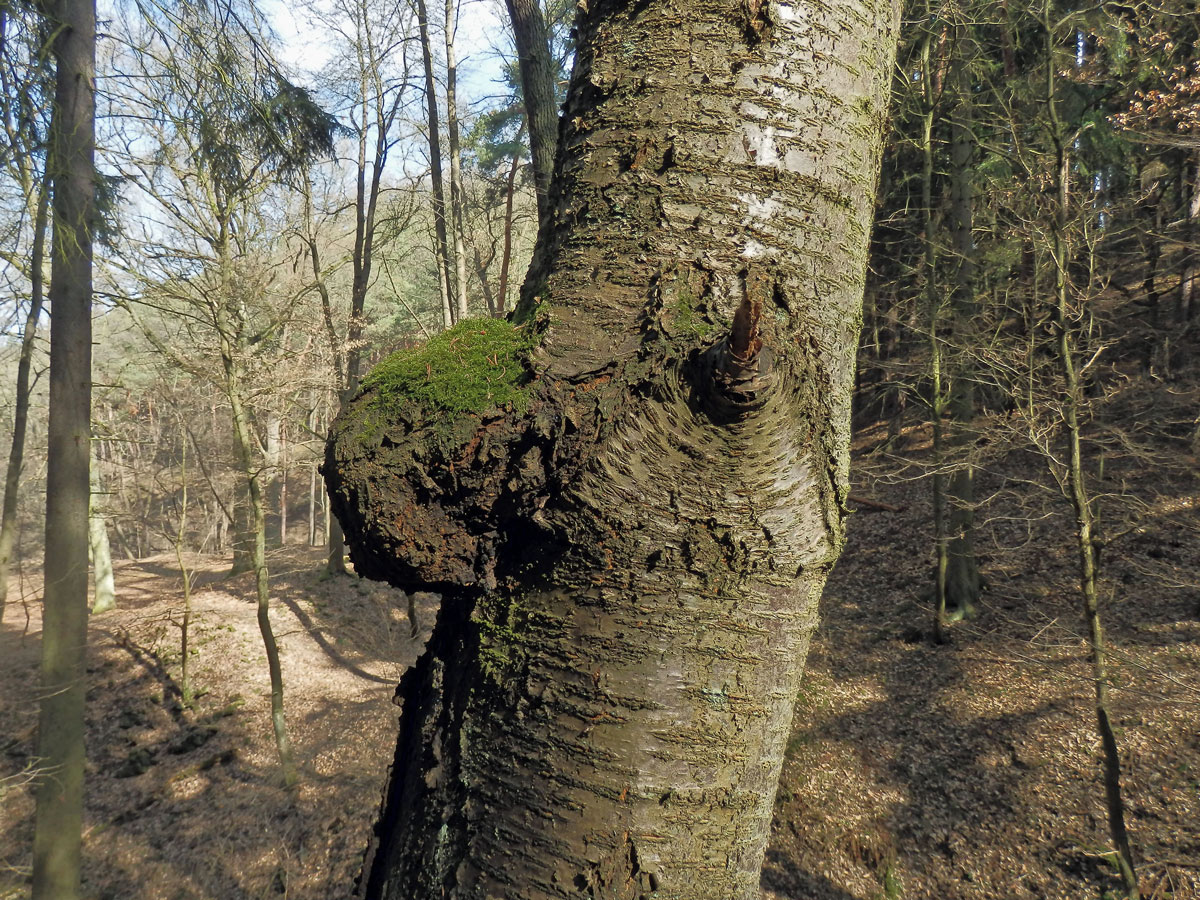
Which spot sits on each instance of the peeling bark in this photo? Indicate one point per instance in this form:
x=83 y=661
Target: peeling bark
x=631 y=561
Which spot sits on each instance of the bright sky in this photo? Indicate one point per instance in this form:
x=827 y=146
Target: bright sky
x=480 y=30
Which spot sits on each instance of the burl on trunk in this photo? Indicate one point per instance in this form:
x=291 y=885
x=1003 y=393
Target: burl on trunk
x=631 y=497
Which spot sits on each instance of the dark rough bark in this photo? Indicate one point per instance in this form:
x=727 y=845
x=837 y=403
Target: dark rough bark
x=537 y=90
x=60 y=745
x=963 y=582
x=631 y=562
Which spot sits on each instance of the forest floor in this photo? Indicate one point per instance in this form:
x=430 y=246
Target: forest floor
x=188 y=803
x=966 y=770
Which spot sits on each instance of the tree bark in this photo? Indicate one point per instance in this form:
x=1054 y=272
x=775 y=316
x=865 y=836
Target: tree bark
x=251 y=472
x=510 y=191
x=457 y=198
x=963 y=583
x=1189 y=273
x=1075 y=483
x=631 y=561
x=58 y=818
x=933 y=311
x=104 y=591
x=441 y=245
x=537 y=91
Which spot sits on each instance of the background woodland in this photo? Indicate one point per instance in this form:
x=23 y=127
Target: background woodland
x=1022 y=550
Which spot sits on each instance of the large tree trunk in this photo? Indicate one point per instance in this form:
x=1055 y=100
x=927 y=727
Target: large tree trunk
x=631 y=563
x=537 y=91
x=58 y=825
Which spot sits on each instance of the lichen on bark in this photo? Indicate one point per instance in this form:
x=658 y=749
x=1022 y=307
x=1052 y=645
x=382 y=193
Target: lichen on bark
x=631 y=562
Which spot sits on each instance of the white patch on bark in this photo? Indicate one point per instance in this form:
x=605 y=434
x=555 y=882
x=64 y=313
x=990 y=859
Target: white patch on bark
x=753 y=250
x=758 y=207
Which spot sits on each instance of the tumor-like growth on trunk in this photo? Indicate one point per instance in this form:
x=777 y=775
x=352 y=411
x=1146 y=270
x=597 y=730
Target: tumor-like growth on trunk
x=631 y=534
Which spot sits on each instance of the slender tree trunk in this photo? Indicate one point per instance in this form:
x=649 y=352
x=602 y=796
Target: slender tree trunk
x=283 y=484
x=537 y=90
x=506 y=252
x=1075 y=481
x=16 y=455
x=457 y=200
x=241 y=528
x=58 y=819
x=312 y=506
x=250 y=472
x=104 y=591
x=631 y=563
x=273 y=500
x=185 y=623
x=933 y=307
x=481 y=271
x=1189 y=273
x=963 y=583
x=441 y=244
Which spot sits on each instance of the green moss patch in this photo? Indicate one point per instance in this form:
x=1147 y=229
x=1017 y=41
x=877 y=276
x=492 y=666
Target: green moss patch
x=476 y=365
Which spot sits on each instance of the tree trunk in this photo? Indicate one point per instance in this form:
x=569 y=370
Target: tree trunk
x=241 y=528
x=933 y=309
x=270 y=479
x=16 y=454
x=537 y=90
x=254 y=493
x=441 y=245
x=631 y=560
x=963 y=582
x=1189 y=273
x=457 y=199
x=1076 y=485
x=185 y=622
x=58 y=821
x=104 y=591
x=506 y=254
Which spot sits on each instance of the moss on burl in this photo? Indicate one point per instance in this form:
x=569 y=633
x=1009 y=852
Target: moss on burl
x=477 y=365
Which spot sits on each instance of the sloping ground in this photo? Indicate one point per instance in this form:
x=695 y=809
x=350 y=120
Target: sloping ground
x=188 y=803
x=972 y=770
x=915 y=771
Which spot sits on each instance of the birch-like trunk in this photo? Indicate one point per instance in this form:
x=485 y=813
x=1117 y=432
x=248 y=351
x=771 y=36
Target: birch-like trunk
x=441 y=244
x=631 y=564
x=457 y=197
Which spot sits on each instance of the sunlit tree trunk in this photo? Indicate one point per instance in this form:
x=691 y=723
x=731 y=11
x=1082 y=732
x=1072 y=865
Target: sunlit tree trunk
x=457 y=199
x=631 y=564
x=441 y=242
x=60 y=746
x=1189 y=275
x=104 y=590
x=251 y=473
